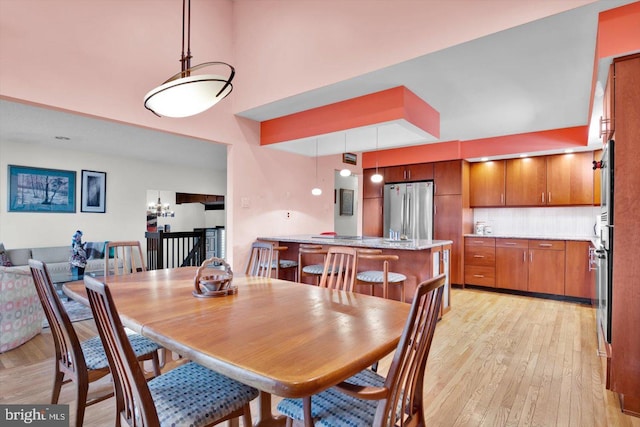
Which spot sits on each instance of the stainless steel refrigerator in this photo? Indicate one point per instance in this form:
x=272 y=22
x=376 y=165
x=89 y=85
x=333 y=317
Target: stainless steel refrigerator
x=408 y=210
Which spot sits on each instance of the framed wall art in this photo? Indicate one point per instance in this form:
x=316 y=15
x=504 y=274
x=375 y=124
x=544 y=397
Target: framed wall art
x=346 y=201
x=41 y=190
x=94 y=192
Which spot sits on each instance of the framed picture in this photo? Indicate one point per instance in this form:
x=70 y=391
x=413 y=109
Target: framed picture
x=41 y=190
x=350 y=158
x=94 y=192
x=346 y=201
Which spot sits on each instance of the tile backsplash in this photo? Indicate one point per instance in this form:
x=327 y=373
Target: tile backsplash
x=575 y=221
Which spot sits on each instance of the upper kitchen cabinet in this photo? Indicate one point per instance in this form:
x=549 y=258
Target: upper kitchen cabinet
x=448 y=177
x=487 y=183
x=406 y=173
x=526 y=182
x=570 y=179
x=371 y=189
x=607 y=121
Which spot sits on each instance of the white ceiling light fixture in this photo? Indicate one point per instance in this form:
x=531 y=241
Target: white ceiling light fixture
x=376 y=177
x=345 y=171
x=316 y=191
x=184 y=94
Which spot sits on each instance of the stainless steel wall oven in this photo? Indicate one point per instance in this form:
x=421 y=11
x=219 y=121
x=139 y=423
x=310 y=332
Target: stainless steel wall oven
x=604 y=252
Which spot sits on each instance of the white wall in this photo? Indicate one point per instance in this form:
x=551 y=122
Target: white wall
x=127 y=183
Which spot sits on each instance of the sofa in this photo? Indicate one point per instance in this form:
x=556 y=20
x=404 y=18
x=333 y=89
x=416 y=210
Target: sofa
x=57 y=257
x=21 y=313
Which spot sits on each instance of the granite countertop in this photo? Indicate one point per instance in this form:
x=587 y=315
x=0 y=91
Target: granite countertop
x=532 y=236
x=361 y=241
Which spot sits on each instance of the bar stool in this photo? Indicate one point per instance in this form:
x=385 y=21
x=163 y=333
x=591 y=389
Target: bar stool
x=284 y=264
x=315 y=270
x=384 y=277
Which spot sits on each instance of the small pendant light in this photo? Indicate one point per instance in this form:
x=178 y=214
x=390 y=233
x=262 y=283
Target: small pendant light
x=376 y=177
x=316 y=191
x=345 y=171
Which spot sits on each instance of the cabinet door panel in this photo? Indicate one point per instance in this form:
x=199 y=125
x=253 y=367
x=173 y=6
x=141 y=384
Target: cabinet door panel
x=448 y=177
x=578 y=281
x=420 y=172
x=570 y=179
x=447 y=225
x=546 y=271
x=526 y=182
x=372 y=217
x=487 y=183
x=371 y=189
x=479 y=275
x=512 y=268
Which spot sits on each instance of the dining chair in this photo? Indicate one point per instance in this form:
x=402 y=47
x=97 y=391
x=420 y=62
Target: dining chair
x=126 y=257
x=189 y=394
x=280 y=264
x=80 y=362
x=260 y=261
x=383 y=277
x=340 y=268
x=367 y=398
x=311 y=252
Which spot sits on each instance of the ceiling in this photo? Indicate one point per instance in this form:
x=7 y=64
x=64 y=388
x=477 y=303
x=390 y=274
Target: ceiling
x=529 y=78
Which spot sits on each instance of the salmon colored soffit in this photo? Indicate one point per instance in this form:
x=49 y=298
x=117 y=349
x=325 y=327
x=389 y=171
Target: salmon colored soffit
x=398 y=103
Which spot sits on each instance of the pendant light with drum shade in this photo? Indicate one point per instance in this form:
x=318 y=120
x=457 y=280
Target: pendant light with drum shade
x=376 y=177
x=316 y=191
x=185 y=94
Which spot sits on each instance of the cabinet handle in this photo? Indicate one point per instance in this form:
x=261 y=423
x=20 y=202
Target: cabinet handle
x=543 y=198
x=549 y=198
x=531 y=257
x=524 y=256
x=510 y=243
x=404 y=174
x=409 y=173
x=502 y=198
x=478 y=256
x=545 y=245
x=478 y=242
x=478 y=275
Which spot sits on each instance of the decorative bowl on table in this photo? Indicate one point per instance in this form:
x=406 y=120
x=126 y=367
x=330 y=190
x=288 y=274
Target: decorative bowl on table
x=213 y=279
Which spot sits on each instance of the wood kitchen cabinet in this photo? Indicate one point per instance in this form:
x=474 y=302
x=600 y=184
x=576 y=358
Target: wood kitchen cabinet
x=448 y=177
x=526 y=181
x=579 y=277
x=372 y=204
x=570 y=179
x=546 y=266
x=608 y=119
x=487 y=183
x=512 y=264
x=406 y=173
x=479 y=261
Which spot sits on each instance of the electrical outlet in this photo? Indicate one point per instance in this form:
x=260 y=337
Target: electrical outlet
x=288 y=215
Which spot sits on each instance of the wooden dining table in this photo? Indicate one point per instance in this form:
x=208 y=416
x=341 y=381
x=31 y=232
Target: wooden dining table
x=283 y=338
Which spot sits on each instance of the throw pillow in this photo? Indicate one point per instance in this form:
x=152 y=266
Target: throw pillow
x=4 y=257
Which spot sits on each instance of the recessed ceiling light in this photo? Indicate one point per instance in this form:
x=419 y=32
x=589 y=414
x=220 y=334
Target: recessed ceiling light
x=63 y=138
x=568 y=150
x=484 y=159
x=524 y=155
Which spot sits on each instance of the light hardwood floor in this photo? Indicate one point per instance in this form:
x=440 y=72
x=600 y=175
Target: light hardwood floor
x=496 y=360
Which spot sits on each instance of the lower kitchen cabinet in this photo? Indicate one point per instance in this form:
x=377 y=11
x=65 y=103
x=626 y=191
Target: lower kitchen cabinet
x=546 y=266
x=579 y=278
x=512 y=264
x=372 y=217
x=480 y=261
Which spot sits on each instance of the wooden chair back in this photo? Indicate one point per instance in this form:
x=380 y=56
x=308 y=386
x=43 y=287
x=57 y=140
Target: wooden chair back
x=69 y=358
x=404 y=382
x=133 y=398
x=309 y=254
x=385 y=258
x=340 y=268
x=260 y=259
x=127 y=258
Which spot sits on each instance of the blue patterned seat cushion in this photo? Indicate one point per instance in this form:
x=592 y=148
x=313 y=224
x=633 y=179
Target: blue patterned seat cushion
x=378 y=277
x=333 y=409
x=288 y=263
x=94 y=355
x=192 y=395
x=317 y=269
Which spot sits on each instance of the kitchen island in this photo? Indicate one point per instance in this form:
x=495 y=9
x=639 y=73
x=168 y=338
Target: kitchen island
x=418 y=259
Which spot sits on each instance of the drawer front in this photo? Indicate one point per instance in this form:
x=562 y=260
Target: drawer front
x=480 y=241
x=512 y=243
x=481 y=276
x=554 y=245
x=478 y=255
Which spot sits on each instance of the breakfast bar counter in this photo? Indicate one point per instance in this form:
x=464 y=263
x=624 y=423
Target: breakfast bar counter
x=418 y=259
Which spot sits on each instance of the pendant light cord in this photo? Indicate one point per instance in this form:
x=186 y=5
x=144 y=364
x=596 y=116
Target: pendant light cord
x=186 y=17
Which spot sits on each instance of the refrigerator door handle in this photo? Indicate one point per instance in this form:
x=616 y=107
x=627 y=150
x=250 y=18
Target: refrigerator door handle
x=409 y=223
